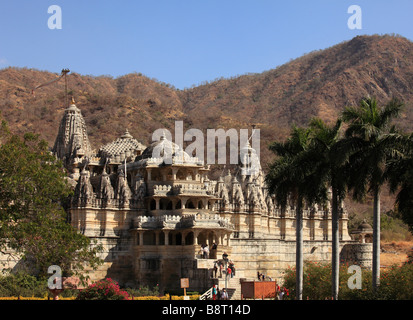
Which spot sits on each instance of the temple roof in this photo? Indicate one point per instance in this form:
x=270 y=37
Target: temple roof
x=166 y=152
x=161 y=148
x=364 y=228
x=122 y=147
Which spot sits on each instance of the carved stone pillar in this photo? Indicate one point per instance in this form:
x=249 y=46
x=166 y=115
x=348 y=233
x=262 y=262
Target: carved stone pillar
x=140 y=238
x=157 y=237
x=196 y=234
x=166 y=232
x=174 y=171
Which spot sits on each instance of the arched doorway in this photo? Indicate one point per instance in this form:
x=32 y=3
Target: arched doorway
x=189 y=238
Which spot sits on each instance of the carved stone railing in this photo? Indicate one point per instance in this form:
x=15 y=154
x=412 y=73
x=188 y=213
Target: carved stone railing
x=94 y=202
x=206 y=220
x=162 y=190
x=94 y=160
x=190 y=188
x=178 y=222
x=174 y=160
x=156 y=161
x=187 y=160
x=149 y=222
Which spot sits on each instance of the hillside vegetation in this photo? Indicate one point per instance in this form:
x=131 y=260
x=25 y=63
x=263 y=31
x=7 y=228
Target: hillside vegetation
x=320 y=83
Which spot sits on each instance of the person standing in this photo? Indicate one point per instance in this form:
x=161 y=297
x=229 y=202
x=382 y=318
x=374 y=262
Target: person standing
x=214 y=292
x=232 y=266
x=281 y=294
x=215 y=269
x=224 y=295
x=206 y=252
x=214 y=250
x=202 y=251
x=229 y=273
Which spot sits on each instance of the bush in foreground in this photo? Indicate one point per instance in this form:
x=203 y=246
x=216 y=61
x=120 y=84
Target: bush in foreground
x=22 y=284
x=106 y=289
x=395 y=283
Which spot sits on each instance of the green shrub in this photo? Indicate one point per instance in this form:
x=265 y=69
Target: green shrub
x=394 y=229
x=22 y=284
x=395 y=283
x=143 y=291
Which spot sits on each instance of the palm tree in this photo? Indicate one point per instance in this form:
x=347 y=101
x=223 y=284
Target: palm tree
x=287 y=178
x=369 y=129
x=329 y=156
x=400 y=177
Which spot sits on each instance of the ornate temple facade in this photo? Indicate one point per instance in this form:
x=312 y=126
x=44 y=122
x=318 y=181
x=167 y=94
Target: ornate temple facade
x=152 y=216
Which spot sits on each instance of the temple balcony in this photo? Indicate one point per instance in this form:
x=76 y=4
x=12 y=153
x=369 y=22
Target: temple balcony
x=182 y=242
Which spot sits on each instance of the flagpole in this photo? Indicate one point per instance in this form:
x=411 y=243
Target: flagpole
x=65 y=72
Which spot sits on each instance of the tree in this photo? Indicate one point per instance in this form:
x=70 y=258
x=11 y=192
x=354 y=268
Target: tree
x=33 y=222
x=369 y=128
x=399 y=173
x=329 y=156
x=287 y=178
x=312 y=162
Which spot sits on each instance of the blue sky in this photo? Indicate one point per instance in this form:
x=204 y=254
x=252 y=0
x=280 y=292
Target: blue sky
x=184 y=42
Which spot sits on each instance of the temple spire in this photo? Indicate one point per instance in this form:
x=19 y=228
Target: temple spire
x=72 y=143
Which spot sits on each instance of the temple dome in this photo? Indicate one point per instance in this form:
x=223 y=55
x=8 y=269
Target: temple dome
x=165 y=151
x=160 y=149
x=121 y=148
x=365 y=227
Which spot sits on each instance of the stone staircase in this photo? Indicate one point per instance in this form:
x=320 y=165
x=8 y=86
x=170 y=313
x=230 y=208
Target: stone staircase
x=233 y=285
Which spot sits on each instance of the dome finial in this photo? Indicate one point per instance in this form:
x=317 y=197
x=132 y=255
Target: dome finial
x=126 y=135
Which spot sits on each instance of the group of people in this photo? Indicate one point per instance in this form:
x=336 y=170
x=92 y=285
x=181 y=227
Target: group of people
x=281 y=292
x=205 y=250
x=219 y=265
x=219 y=294
x=262 y=277
x=231 y=269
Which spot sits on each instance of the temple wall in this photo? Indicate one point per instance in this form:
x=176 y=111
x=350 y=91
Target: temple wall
x=273 y=256
x=165 y=265
x=261 y=243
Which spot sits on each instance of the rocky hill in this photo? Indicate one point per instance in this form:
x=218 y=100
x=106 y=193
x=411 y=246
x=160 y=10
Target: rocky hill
x=320 y=83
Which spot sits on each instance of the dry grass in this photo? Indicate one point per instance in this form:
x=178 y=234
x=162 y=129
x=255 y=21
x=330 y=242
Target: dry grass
x=394 y=252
